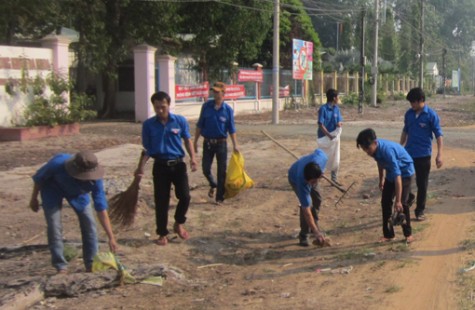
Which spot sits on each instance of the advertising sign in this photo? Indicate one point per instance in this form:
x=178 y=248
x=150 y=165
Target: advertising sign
x=250 y=76
x=302 y=59
x=191 y=91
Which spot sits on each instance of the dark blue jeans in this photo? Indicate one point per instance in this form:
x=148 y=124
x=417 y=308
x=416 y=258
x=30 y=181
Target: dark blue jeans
x=220 y=150
x=163 y=177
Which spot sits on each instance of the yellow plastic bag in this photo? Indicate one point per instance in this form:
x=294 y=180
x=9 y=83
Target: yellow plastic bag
x=107 y=260
x=237 y=179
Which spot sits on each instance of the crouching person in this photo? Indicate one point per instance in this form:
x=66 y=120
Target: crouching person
x=396 y=171
x=75 y=178
x=303 y=176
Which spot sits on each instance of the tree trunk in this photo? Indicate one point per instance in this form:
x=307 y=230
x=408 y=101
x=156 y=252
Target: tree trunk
x=110 y=89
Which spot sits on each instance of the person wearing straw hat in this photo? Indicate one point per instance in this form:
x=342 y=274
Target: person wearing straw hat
x=75 y=178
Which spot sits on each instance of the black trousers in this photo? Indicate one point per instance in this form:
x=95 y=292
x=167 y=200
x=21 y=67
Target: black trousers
x=422 y=167
x=387 y=202
x=163 y=177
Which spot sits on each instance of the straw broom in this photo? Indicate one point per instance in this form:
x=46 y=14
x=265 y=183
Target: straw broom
x=123 y=206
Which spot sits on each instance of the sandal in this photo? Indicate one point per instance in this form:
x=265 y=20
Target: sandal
x=384 y=239
x=181 y=231
x=211 y=192
x=409 y=239
x=162 y=241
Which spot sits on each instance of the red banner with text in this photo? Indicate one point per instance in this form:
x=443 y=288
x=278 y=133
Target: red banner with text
x=250 y=76
x=191 y=91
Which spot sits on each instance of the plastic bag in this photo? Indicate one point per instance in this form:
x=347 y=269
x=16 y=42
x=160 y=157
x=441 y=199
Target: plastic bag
x=107 y=260
x=331 y=149
x=237 y=179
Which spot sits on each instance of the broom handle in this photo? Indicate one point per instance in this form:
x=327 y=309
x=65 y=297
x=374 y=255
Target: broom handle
x=296 y=157
x=142 y=161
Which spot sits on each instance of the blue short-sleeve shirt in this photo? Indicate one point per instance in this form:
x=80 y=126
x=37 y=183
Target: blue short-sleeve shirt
x=296 y=176
x=55 y=184
x=165 y=141
x=215 y=124
x=420 y=131
x=394 y=159
x=329 y=115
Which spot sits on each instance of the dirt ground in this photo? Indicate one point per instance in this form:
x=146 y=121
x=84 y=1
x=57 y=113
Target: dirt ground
x=244 y=254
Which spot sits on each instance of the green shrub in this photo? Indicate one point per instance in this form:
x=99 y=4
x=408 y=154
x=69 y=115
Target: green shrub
x=51 y=108
x=351 y=99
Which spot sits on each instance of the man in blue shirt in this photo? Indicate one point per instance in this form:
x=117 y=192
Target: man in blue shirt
x=421 y=123
x=303 y=176
x=72 y=178
x=162 y=137
x=329 y=131
x=215 y=122
x=396 y=171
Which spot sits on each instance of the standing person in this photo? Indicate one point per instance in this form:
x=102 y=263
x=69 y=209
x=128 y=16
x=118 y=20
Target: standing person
x=303 y=176
x=420 y=124
x=396 y=171
x=72 y=177
x=329 y=131
x=162 y=137
x=215 y=122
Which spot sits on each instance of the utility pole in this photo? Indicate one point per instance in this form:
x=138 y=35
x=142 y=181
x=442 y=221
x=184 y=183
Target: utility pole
x=421 y=48
x=374 y=68
x=444 y=76
x=275 y=64
x=362 y=61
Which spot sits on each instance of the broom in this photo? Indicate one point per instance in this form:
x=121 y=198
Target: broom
x=123 y=206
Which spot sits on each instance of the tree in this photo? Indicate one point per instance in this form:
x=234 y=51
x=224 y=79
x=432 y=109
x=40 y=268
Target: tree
x=109 y=29
x=225 y=32
x=295 y=23
x=31 y=19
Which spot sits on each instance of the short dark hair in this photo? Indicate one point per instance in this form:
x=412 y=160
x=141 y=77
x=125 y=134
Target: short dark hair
x=311 y=171
x=365 y=138
x=159 y=96
x=331 y=94
x=416 y=94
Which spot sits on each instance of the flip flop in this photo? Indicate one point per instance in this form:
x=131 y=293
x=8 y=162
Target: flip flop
x=162 y=241
x=383 y=240
x=181 y=231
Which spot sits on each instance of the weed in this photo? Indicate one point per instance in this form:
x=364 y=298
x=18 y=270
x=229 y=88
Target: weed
x=468 y=244
x=393 y=289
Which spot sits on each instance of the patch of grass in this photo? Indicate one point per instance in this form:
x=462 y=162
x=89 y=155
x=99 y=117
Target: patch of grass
x=378 y=265
x=70 y=252
x=399 y=247
x=405 y=263
x=420 y=227
x=354 y=255
x=392 y=289
x=468 y=244
x=466 y=281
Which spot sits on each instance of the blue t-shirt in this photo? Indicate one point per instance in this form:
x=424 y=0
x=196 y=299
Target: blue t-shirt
x=215 y=124
x=55 y=184
x=419 y=131
x=296 y=176
x=329 y=116
x=165 y=141
x=394 y=159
